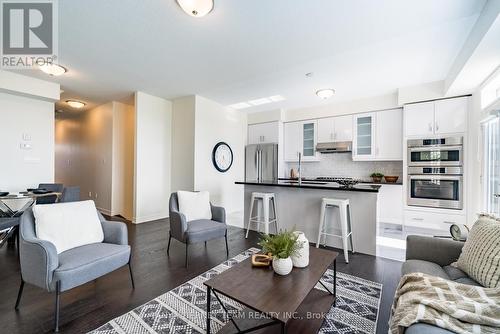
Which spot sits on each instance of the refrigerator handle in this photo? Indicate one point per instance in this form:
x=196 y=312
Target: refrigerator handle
x=259 y=165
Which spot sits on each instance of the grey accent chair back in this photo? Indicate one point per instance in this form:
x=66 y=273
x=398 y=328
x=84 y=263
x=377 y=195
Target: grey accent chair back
x=43 y=267
x=54 y=187
x=70 y=194
x=201 y=230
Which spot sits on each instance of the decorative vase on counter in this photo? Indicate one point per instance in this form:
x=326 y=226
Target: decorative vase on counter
x=282 y=266
x=301 y=258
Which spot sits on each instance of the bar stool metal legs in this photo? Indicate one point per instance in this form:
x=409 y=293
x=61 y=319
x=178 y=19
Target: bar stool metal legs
x=265 y=200
x=344 y=220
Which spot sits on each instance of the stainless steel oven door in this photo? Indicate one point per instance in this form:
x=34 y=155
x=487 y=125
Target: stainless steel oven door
x=435 y=191
x=435 y=156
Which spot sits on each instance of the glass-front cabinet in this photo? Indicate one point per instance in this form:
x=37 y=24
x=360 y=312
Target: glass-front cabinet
x=308 y=139
x=364 y=137
x=300 y=137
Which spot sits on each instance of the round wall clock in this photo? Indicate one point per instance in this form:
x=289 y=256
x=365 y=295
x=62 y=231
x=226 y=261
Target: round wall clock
x=222 y=157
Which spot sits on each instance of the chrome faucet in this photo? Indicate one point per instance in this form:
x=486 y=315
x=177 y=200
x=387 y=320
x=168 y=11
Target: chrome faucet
x=300 y=169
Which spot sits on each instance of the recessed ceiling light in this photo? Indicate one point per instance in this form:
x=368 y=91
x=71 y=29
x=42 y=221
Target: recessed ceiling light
x=276 y=98
x=196 y=8
x=258 y=102
x=53 y=69
x=75 y=104
x=325 y=93
x=241 y=105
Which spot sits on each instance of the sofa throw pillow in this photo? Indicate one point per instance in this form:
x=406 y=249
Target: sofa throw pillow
x=480 y=257
x=194 y=205
x=68 y=225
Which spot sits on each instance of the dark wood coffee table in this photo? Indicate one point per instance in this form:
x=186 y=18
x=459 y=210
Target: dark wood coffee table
x=271 y=300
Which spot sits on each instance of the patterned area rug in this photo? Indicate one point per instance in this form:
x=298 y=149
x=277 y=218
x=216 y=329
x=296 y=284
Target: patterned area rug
x=182 y=309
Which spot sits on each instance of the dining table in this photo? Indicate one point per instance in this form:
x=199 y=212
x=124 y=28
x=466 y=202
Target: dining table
x=12 y=207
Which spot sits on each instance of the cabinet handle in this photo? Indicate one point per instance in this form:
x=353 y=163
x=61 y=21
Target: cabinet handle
x=437 y=127
x=496 y=195
x=263 y=138
x=430 y=127
x=418 y=219
x=448 y=222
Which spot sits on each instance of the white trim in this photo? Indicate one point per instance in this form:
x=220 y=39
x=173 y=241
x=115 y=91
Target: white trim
x=148 y=218
x=105 y=211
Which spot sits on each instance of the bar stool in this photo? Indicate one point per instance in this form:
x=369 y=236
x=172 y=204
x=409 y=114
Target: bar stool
x=345 y=222
x=265 y=199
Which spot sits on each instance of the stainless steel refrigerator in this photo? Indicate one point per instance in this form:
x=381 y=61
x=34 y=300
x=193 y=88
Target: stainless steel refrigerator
x=261 y=162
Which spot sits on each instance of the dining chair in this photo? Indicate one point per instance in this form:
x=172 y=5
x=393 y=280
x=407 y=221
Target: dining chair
x=52 y=187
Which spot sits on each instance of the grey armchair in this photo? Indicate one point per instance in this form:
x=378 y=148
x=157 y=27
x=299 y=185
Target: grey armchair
x=197 y=230
x=43 y=267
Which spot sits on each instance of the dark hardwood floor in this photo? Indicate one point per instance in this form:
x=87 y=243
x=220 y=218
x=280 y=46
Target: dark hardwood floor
x=93 y=304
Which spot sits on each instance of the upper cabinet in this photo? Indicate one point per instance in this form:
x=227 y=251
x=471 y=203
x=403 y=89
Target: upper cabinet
x=436 y=117
x=300 y=137
x=451 y=115
x=335 y=129
x=378 y=136
x=364 y=137
x=263 y=133
x=389 y=135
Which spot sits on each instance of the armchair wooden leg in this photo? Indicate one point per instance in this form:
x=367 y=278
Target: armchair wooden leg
x=186 y=255
x=169 y=239
x=58 y=293
x=227 y=248
x=19 y=294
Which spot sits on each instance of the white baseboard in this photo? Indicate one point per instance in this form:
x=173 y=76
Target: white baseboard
x=105 y=211
x=148 y=218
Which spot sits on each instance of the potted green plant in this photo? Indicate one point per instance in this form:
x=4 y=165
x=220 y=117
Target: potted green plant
x=282 y=246
x=377 y=177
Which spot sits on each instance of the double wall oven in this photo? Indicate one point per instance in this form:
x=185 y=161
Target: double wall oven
x=435 y=173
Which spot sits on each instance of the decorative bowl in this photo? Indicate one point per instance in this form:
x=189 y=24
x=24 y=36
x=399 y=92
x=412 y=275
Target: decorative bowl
x=391 y=179
x=347 y=182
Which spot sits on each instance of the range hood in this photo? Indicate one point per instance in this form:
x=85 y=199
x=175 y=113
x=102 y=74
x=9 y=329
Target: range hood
x=335 y=147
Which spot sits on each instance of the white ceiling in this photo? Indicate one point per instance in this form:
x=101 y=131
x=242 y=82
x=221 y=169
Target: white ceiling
x=246 y=49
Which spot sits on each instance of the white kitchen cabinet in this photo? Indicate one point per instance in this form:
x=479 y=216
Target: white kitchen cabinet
x=389 y=135
x=263 y=133
x=451 y=115
x=436 y=117
x=335 y=129
x=300 y=137
x=364 y=137
x=326 y=129
x=390 y=204
x=419 y=119
x=432 y=220
x=343 y=128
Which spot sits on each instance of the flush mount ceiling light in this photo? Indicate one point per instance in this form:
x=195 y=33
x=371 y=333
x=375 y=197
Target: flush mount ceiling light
x=75 y=104
x=325 y=93
x=196 y=8
x=53 y=69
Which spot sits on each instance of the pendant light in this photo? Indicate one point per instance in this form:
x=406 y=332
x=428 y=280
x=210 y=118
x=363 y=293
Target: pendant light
x=196 y=8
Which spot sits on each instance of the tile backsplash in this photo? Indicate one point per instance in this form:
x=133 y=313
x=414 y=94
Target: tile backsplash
x=341 y=164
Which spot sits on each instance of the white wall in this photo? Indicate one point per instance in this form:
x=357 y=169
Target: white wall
x=23 y=116
x=216 y=123
x=153 y=151
x=381 y=102
x=183 y=120
x=122 y=202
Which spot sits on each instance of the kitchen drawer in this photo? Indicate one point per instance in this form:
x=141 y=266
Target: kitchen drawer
x=437 y=221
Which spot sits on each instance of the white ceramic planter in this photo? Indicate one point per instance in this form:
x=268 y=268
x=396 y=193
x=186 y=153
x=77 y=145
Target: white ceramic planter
x=282 y=266
x=301 y=259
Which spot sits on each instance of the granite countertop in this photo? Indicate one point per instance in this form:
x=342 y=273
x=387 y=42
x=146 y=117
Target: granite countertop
x=309 y=184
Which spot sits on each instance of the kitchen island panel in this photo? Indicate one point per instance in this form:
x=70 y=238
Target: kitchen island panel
x=300 y=208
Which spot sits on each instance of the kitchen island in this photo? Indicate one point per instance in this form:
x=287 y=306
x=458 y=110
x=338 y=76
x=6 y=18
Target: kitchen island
x=299 y=206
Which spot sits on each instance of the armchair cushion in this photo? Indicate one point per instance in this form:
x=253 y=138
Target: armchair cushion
x=68 y=225
x=203 y=230
x=85 y=263
x=194 y=205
